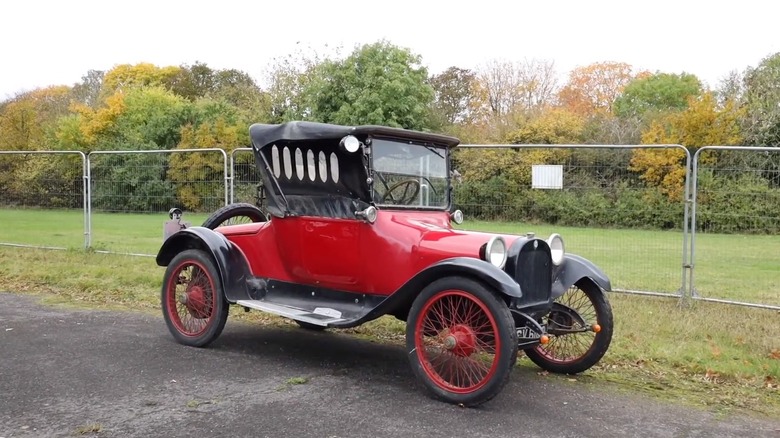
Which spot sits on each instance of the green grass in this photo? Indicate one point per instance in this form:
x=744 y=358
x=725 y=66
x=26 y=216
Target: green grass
x=718 y=357
x=736 y=267
x=117 y=232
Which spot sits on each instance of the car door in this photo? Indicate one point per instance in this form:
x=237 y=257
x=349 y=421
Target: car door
x=330 y=252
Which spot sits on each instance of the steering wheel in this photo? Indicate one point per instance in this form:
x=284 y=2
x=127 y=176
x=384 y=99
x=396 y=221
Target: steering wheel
x=408 y=185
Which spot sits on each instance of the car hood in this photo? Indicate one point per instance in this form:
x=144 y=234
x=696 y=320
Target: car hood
x=437 y=240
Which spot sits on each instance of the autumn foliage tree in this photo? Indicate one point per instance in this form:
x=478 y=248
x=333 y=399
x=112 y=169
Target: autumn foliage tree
x=703 y=123
x=199 y=177
x=592 y=89
x=28 y=122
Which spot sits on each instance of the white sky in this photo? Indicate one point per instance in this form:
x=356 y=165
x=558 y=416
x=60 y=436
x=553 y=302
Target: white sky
x=57 y=41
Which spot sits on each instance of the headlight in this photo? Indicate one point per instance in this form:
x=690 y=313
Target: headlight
x=557 y=250
x=495 y=251
x=457 y=217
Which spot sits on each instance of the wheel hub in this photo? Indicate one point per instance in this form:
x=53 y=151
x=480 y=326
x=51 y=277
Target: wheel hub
x=460 y=340
x=195 y=301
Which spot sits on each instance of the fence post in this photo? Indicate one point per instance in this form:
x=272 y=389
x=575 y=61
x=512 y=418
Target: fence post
x=88 y=202
x=687 y=265
x=232 y=174
x=225 y=174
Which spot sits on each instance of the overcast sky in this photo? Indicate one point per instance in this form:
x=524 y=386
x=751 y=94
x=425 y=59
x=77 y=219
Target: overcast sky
x=56 y=42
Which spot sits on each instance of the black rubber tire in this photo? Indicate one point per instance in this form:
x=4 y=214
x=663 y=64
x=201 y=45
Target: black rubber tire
x=226 y=214
x=542 y=355
x=487 y=302
x=309 y=326
x=209 y=287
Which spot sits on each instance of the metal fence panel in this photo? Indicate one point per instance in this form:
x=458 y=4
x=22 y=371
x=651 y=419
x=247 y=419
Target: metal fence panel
x=130 y=193
x=245 y=180
x=632 y=226
x=736 y=222
x=42 y=199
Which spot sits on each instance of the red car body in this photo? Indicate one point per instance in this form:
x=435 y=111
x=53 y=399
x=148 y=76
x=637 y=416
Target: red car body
x=348 y=255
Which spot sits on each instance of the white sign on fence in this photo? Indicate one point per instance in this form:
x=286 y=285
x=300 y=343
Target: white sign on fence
x=547 y=176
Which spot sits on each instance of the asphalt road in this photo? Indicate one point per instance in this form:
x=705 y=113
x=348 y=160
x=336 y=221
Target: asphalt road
x=62 y=371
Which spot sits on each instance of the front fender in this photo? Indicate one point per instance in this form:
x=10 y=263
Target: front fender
x=399 y=302
x=573 y=269
x=230 y=261
x=494 y=277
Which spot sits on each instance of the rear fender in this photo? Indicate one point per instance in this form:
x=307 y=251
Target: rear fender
x=573 y=269
x=399 y=302
x=232 y=265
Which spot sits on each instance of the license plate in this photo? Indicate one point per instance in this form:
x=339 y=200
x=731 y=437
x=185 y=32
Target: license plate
x=527 y=333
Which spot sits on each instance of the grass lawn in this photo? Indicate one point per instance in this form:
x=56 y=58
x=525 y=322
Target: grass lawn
x=737 y=267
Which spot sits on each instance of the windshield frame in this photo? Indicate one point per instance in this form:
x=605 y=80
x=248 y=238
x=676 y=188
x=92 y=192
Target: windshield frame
x=438 y=148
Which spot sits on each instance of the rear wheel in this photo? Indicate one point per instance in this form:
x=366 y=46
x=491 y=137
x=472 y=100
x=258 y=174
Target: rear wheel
x=193 y=303
x=234 y=214
x=461 y=341
x=579 y=329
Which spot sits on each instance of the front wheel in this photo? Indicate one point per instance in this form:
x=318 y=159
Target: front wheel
x=193 y=305
x=461 y=341
x=579 y=328
x=234 y=214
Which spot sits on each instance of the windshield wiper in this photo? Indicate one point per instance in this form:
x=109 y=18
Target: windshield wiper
x=433 y=149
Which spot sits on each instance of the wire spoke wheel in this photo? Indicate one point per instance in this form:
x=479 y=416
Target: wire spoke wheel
x=579 y=329
x=461 y=341
x=457 y=341
x=193 y=303
x=192 y=297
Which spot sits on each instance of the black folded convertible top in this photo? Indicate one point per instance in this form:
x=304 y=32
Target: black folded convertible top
x=264 y=135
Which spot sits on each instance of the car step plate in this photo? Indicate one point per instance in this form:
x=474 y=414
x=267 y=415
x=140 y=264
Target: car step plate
x=320 y=316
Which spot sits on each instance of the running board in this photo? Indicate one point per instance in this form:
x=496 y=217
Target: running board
x=322 y=316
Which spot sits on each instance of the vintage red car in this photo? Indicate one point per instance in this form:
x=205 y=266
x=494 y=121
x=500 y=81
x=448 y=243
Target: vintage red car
x=357 y=224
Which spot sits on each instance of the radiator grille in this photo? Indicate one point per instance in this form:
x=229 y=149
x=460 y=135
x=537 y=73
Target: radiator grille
x=533 y=273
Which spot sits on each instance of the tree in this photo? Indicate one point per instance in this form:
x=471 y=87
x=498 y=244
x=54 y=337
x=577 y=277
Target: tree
x=518 y=86
x=701 y=124
x=27 y=121
x=656 y=93
x=235 y=87
x=762 y=101
x=139 y=118
x=555 y=126
x=241 y=91
x=454 y=90
x=289 y=78
x=592 y=89
x=193 y=81
x=87 y=92
x=126 y=76
x=198 y=177
x=731 y=88
x=378 y=83
x=607 y=129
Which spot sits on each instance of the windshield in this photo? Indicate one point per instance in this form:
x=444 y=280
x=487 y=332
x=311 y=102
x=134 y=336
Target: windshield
x=409 y=174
